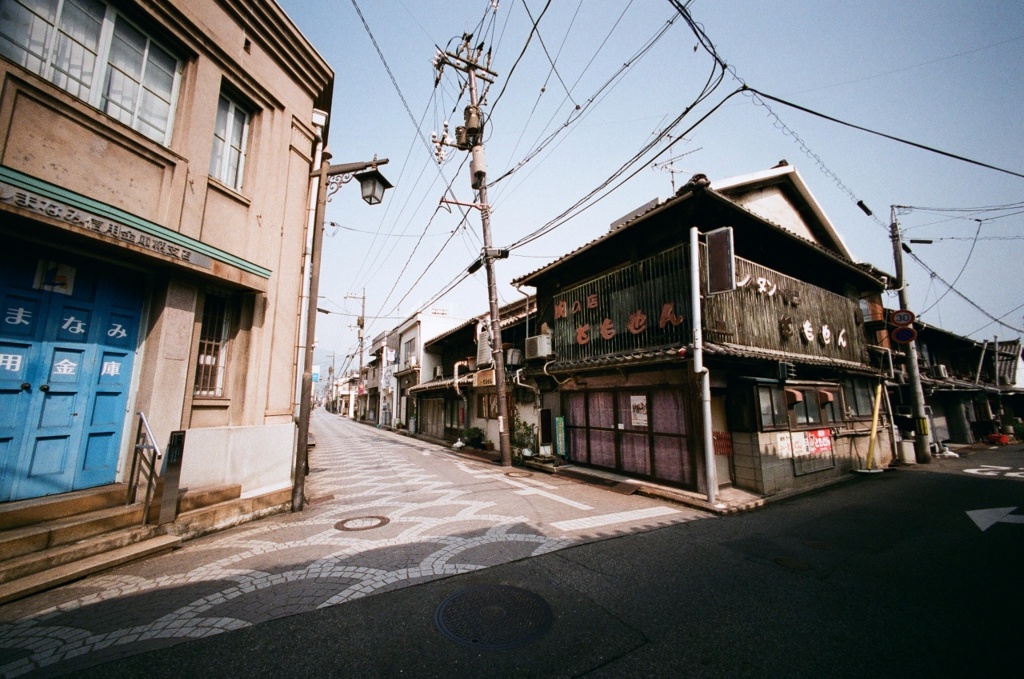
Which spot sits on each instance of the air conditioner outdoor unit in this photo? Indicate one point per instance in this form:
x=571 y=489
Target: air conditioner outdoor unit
x=513 y=358
x=538 y=346
x=940 y=371
x=438 y=372
x=413 y=361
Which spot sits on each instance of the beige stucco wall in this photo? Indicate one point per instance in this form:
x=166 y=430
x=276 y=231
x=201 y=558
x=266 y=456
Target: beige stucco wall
x=247 y=438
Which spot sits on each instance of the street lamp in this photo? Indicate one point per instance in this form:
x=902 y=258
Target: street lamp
x=330 y=178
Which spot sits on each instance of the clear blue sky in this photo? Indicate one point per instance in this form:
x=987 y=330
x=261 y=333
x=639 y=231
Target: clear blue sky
x=942 y=73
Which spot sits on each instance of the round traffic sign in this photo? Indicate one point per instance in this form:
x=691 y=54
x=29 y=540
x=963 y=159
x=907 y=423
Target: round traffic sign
x=902 y=317
x=903 y=335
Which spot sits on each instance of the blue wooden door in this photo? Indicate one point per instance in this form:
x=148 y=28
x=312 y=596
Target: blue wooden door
x=68 y=332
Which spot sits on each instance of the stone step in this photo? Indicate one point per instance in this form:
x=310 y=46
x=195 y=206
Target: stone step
x=36 y=510
x=61 y=555
x=81 y=567
x=203 y=520
x=192 y=499
x=67 y=530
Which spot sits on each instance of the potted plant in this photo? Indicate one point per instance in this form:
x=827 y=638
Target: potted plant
x=474 y=437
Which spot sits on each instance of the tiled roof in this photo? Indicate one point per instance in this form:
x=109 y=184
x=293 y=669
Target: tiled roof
x=687 y=192
x=506 y=319
x=670 y=354
x=740 y=351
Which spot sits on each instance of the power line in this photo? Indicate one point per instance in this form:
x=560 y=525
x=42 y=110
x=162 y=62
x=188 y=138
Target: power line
x=884 y=135
x=575 y=210
x=580 y=111
x=387 y=235
x=961 y=295
x=962 y=269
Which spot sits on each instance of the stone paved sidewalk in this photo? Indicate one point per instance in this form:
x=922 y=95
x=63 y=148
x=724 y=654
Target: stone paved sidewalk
x=384 y=512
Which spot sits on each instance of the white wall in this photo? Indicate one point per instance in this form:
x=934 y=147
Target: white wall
x=257 y=458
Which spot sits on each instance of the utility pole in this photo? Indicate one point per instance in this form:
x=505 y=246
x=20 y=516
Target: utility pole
x=329 y=389
x=361 y=324
x=922 y=439
x=470 y=137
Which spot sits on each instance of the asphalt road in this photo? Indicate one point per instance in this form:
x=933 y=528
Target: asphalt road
x=911 y=572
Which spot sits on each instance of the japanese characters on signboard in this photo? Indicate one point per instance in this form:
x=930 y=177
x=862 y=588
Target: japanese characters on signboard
x=643 y=304
x=803 y=443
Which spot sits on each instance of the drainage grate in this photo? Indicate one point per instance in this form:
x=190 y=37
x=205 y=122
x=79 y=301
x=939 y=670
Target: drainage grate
x=493 y=617
x=362 y=523
x=518 y=475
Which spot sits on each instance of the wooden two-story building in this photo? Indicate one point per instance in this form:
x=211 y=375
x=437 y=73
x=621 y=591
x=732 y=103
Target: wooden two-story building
x=793 y=372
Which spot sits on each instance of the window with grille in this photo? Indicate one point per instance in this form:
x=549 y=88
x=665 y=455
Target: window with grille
x=213 y=347
x=94 y=53
x=227 y=161
x=858 y=394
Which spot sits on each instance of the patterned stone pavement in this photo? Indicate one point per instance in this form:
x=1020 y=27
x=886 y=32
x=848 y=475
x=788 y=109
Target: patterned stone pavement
x=384 y=511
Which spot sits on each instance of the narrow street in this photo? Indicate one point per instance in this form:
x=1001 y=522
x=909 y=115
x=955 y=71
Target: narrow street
x=384 y=512
x=910 y=573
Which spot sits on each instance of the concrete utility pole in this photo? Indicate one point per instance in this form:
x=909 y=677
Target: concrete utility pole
x=360 y=323
x=922 y=439
x=471 y=138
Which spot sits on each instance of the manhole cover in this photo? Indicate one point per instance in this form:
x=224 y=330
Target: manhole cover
x=791 y=563
x=363 y=523
x=817 y=544
x=493 y=617
x=518 y=475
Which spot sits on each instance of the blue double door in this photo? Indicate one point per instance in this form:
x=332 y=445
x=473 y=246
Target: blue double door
x=69 y=328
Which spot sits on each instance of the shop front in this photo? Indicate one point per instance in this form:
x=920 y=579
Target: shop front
x=68 y=334
x=442 y=409
x=642 y=432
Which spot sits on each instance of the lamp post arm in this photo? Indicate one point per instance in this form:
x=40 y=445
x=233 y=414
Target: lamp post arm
x=347 y=168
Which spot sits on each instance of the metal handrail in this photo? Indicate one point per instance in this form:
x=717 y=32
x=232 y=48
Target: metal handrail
x=145 y=443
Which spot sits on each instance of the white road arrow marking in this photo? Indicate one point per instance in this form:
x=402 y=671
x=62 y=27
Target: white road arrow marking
x=986 y=518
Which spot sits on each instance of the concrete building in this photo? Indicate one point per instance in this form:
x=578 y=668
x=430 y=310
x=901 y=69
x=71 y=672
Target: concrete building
x=155 y=164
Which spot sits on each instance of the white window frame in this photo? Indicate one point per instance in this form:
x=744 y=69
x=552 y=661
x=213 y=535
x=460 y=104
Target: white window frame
x=59 y=44
x=230 y=142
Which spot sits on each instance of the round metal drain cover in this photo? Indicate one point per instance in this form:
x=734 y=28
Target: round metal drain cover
x=793 y=564
x=493 y=617
x=362 y=523
x=518 y=474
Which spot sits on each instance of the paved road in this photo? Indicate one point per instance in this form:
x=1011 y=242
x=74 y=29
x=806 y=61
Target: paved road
x=885 y=576
x=385 y=512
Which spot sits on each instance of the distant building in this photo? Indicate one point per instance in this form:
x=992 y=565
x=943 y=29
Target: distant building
x=459 y=388
x=969 y=387
x=154 y=186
